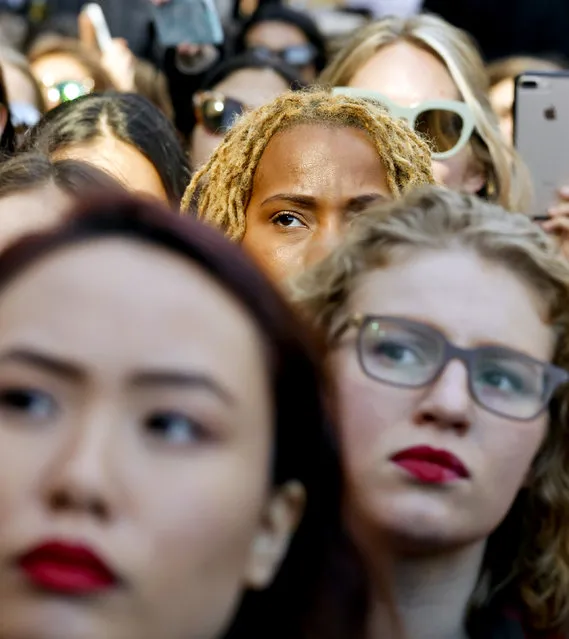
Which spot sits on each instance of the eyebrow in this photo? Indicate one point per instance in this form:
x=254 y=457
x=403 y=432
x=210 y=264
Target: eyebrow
x=301 y=200
x=151 y=378
x=358 y=202
x=47 y=363
x=183 y=379
x=363 y=201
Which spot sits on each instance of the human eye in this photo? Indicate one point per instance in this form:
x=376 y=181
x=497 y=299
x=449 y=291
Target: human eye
x=396 y=353
x=27 y=403
x=175 y=428
x=289 y=220
x=507 y=379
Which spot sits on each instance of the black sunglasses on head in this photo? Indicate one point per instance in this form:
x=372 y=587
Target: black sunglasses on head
x=217 y=112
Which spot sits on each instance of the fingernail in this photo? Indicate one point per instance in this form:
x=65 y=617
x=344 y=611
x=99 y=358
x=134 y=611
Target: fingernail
x=564 y=191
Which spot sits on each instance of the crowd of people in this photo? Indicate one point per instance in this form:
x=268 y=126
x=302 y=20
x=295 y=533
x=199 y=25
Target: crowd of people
x=284 y=352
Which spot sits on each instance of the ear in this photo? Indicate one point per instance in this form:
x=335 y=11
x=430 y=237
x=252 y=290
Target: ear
x=280 y=520
x=475 y=177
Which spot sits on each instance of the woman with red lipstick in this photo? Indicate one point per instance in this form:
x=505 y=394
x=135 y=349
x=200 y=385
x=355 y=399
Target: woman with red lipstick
x=449 y=323
x=156 y=480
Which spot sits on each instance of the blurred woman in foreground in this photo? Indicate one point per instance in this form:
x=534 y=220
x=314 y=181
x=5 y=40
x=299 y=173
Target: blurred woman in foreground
x=157 y=482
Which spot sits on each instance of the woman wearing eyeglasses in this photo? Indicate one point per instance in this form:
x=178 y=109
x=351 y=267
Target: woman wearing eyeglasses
x=430 y=73
x=66 y=70
x=290 y=177
x=448 y=322
x=236 y=85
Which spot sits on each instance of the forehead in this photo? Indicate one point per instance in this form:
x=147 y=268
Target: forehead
x=276 y=34
x=59 y=66
x=123 y=161
x=122 y=302
x=407 y=74
x=472 y=300
x=317 y=158
x=29 y=211
x=254 y=87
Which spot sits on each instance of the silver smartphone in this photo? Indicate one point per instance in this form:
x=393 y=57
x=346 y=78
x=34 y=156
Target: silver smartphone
x=541 y=133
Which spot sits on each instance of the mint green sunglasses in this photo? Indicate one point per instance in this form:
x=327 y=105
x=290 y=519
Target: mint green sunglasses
x=446 y=124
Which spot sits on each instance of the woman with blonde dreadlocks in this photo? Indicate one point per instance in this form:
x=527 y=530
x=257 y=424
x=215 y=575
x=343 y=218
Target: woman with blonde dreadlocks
x=289 y=176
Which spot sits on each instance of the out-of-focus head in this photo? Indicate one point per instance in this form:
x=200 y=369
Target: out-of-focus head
x=502 y=76
x=449 y=324
x=233 y=87
x=174 y=456
x=286 y=34
x=35 y=192
x=121 y=133
x=434 y=75
x=66 y=70
x=290 y=176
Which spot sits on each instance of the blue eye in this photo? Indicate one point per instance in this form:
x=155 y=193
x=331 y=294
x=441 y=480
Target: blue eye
x=395 y=353
x=175 y=428
x=27 y=402
x=503 y=381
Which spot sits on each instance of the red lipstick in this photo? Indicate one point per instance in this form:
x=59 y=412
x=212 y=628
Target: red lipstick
x=430 y=465
x=67 y=568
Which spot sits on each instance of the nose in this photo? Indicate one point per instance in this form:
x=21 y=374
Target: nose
x=79 y=481
x=326 y=238
x=447 y=403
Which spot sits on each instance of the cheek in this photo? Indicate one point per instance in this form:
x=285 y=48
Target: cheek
x=279 y=256
x=370 y=416
x=203 y=144
x=509 y=450
x=195 y=538
x=452 y=172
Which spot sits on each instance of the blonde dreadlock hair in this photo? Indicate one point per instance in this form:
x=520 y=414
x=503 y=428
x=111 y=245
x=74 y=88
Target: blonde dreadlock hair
x=222 y=189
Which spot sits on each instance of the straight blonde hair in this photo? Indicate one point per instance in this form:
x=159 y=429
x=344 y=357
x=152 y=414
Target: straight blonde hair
x=507 y=179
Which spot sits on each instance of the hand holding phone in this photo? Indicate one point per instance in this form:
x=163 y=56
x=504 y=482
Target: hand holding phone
x=100 y=28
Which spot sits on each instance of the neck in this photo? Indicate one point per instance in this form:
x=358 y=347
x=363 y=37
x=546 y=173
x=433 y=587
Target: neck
x=431 y=594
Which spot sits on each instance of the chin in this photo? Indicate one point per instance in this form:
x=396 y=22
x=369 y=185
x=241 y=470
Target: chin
x=52 y=622
x=415 y=524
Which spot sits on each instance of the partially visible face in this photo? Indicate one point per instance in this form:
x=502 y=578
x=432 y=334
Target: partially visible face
x=121 y=160
x=56 y=68
x=136 y=425
x=409 y=75
x=473 y=303
x=278 y=36
x=310 y=183
x=253 y=88
x=502 y=100
x=30 y=211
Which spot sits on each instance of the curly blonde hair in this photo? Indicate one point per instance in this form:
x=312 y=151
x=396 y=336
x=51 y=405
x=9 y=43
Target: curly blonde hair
x=222 y=188
x=527 y=557
x=507 y=177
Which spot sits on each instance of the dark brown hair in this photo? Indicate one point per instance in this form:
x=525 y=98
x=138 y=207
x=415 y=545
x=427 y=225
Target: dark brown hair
x=303 y=442
x=128 y=117
x=29 y=171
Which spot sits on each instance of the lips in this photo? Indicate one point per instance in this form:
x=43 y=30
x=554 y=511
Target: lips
x=67 y=568
x=430 y=465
